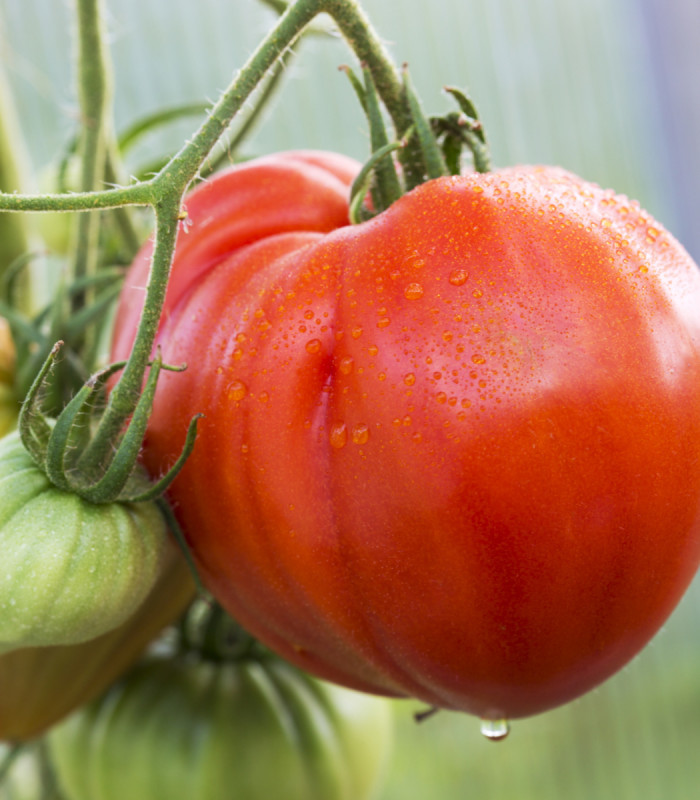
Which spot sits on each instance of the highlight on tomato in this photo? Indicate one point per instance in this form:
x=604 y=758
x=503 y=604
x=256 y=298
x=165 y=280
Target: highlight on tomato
x=449 y=452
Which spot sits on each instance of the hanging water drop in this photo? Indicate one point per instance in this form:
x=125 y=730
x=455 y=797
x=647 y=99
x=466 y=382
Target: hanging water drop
x=495 y=729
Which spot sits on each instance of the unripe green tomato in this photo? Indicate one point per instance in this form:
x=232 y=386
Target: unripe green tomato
x=71 y=570
x=41 y=685
x=255 y=729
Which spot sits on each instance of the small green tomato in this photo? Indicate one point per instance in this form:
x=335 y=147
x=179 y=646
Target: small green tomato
x=70 y=570
x=185 y=728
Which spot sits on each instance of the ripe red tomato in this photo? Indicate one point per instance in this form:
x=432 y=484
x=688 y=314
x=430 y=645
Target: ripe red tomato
x=450 y=452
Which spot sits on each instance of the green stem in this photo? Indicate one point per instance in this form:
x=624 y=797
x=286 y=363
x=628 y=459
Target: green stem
x=362 y=38
x=183 y=167
x=94 y=80
x=123 y=399
x=139 y=194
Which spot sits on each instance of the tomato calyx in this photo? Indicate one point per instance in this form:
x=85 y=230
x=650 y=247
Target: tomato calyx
x=435 y=143
x=207 y=632
x=56 y=445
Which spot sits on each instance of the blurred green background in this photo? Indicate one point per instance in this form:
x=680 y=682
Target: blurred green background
x=605 y=88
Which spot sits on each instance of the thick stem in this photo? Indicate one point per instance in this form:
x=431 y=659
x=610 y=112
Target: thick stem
x=184 y=166
x=124 y=398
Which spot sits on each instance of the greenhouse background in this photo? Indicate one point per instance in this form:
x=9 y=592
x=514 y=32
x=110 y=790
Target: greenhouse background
x=605 y=88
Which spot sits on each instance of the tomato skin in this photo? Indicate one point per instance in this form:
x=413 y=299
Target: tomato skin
x=451 y=452
x=197 y=730
x=295 y=190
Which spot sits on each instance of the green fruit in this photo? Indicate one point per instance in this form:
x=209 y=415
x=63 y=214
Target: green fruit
x=70 y=570
x=254 y=729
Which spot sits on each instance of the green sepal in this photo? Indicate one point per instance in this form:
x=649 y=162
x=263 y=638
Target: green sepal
x=112 y=483
x=470 y=130
x=71 y=430
x=159 y=487
x=432 y=156
x=360 y=186
x=387 y=185
x=33 y=426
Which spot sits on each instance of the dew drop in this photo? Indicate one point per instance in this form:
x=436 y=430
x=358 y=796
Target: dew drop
x=264 y=397
x=495 y=729
x=338 y=435
x=652 y=233
x=409 y=379
x=441 y=397
x=458 y=277
x=347 y=363
x=413 y=291
x=313 y=346
x=360 y=433
x=477 y=358
x=383 y=322
x=308 y=314
x=356 y=332
x=478 y=293
x=237 y=391
x=373 y=350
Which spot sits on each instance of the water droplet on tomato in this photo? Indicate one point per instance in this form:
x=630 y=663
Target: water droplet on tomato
x=409 y=379
x=338 y=435
x=477 y=358
x=478 y=293
x=360 y=433
x=346 y=364
x=313 y=346
x=237 y=391
x=373 y=350
x=495 y=729
x=383 y=322
x=356 y=332
x=458 y=277
x=413 y=291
